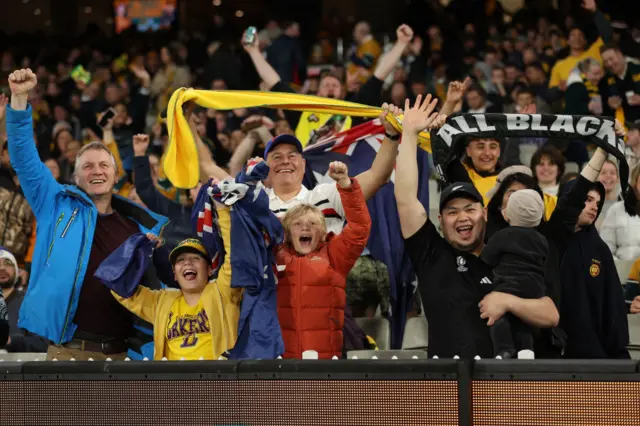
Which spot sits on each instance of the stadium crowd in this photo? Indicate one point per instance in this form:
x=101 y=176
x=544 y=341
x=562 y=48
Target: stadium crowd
x=102 y=257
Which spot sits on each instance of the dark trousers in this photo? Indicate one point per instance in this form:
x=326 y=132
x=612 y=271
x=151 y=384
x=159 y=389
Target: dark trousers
x=510 y=335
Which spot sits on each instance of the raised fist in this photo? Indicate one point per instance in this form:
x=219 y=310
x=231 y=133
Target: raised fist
x=404 y=34
x=22 y=81
x=338 y=171
x=140 y=144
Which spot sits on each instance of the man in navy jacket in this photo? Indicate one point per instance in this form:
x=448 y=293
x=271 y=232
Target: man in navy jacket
x=77 y=228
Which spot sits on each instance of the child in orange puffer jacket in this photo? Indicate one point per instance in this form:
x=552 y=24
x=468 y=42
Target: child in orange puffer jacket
x=312 y=270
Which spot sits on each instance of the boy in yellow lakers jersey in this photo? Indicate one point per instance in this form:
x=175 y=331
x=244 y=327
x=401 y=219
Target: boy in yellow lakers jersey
x=199 y=321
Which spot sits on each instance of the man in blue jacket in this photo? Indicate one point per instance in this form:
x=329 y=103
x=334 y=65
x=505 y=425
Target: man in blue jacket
x=77 y=228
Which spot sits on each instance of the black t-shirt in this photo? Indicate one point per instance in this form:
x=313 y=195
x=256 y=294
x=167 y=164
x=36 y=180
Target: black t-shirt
x=98 y=311
x=451 y=285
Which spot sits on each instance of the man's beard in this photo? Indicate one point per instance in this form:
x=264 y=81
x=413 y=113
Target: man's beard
x=5 y=285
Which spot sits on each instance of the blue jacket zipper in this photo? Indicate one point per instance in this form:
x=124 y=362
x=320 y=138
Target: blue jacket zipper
x=71 y=219
x=53 y=239
x=73 y=288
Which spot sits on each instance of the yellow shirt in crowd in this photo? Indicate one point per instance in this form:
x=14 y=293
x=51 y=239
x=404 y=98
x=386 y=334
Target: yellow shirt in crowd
x=188 y=332
x=482 y=183
x=485 y=183
x=220 y=302
x=563 y=68
x=634 y=274
x=369 y=51
x=310 y=121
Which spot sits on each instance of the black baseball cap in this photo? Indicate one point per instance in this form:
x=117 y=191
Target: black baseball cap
x=282 y=139
x=460 y=190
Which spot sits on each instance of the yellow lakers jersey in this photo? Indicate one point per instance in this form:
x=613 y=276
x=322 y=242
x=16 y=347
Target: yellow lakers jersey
x=188 y=332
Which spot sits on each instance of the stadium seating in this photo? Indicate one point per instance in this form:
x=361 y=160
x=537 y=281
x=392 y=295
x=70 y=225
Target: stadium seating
x=379 y=329
x=416 y=333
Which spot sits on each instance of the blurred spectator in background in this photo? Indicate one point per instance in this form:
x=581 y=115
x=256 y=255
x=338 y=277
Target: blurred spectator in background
x=173 y=74
x=536 y=78
x=285 y=55
x=582 y=96
x=525 y=98
x=547 y=165
x=16 y=215
x=476 y=102
x=632 y=150
x=13 y=289
x=8 y=275
x=610 y=179
x=621 y=227
x=365 y=52
x=578 y=49
x=269 y=33
x=621 y=90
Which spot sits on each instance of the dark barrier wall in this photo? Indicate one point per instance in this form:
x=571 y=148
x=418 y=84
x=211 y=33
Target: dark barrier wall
x=433 y=392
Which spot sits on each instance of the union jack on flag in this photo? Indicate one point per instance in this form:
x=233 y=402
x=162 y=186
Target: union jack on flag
x=207 y=221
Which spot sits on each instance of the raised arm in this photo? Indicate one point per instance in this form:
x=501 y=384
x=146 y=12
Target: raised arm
x=605 y=30
x=208 y=166
x=245 y=149
x=36 y=180
x=109 y=141
x=265 y=71
x=411 y=211
x=231 y=296
x=455 y=92
x=382 y=167
x=390 y=60
x=143 y=181
x=346 y=247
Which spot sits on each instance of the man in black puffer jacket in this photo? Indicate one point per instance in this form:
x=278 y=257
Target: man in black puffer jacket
x=592 y=309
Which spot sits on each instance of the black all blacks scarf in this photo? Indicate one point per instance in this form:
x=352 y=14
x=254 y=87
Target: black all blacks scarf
x=448 y=142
